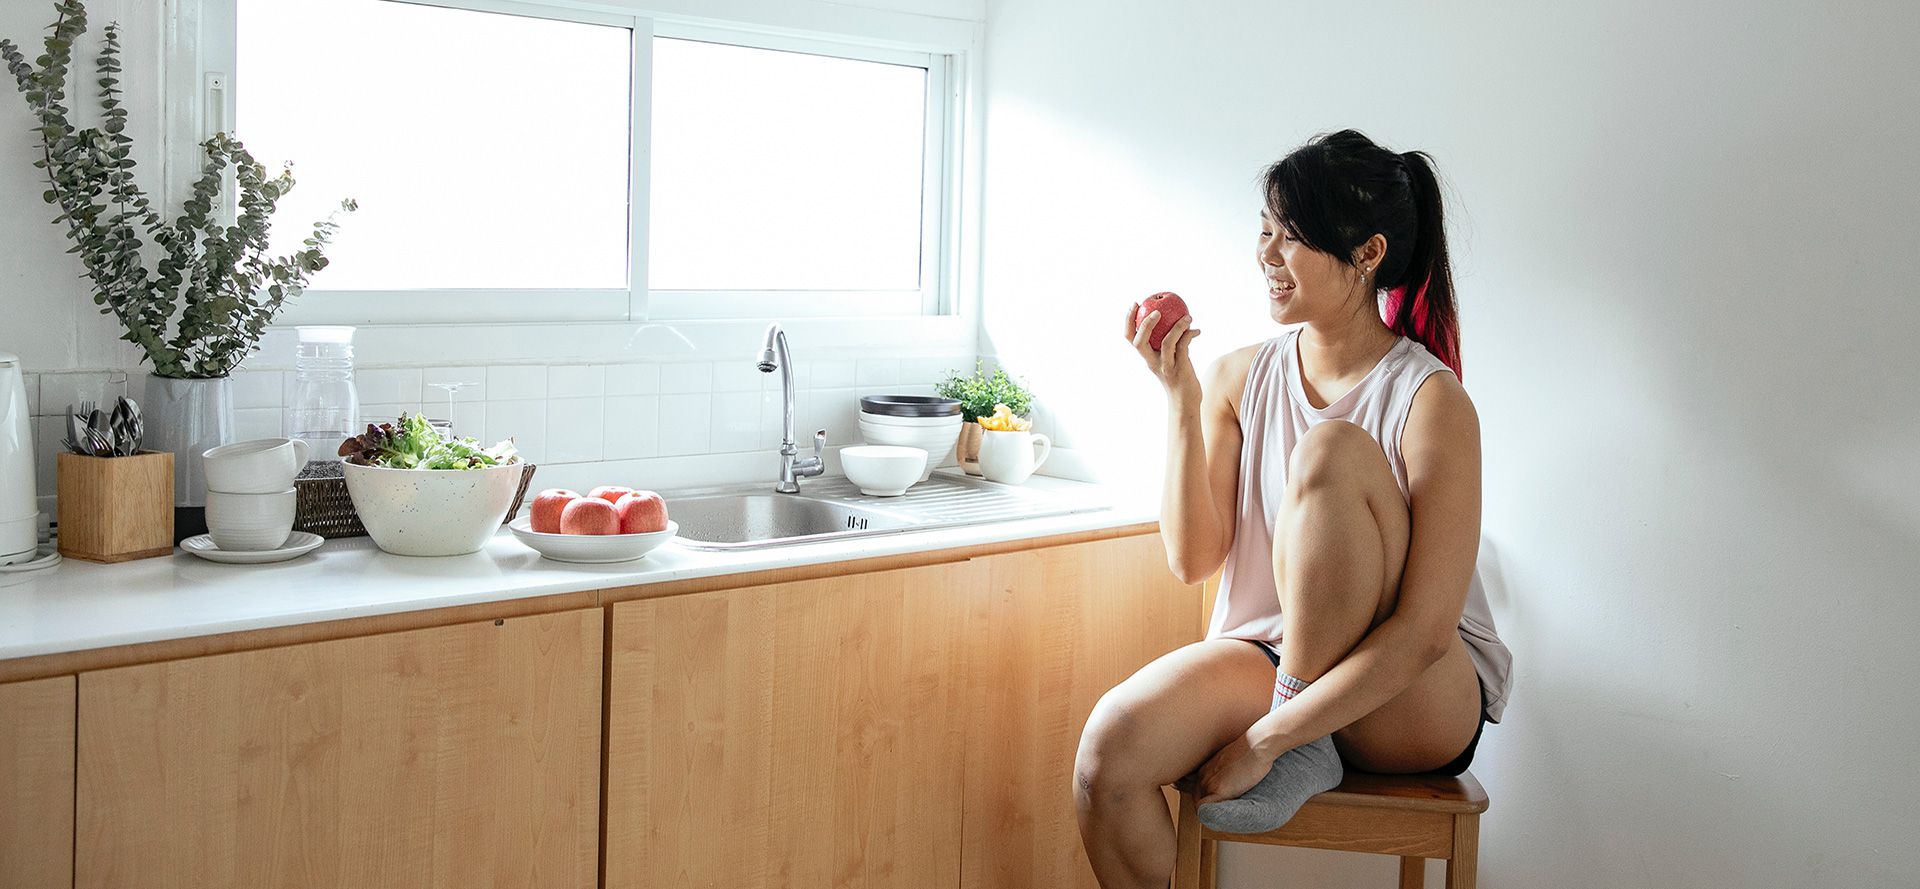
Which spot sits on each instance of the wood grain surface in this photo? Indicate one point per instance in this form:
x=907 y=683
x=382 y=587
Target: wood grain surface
x=36 y=784
x=451 y=757
x=794 y=734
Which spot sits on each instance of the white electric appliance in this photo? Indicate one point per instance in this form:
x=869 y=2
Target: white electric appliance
x=19 y=505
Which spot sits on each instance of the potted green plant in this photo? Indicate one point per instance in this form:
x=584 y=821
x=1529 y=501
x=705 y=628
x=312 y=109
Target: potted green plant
x=978 y=394
x=198 y=300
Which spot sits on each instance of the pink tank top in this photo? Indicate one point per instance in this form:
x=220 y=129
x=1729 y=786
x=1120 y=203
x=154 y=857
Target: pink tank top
x=1274 y=414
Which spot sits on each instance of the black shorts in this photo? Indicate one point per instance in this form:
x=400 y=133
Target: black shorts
x=1459 y=763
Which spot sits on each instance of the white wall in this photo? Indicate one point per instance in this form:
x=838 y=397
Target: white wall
x=1685 y=245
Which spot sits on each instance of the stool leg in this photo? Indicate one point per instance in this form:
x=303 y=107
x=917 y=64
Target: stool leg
x=1186 y=844
x=1463 y=867
x=1413 y=873
x=1209 y=861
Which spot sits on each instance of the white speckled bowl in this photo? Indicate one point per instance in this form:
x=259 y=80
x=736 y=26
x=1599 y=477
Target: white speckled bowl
x=432 y=512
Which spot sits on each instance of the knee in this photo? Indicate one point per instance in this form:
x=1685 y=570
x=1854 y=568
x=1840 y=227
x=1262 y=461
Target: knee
x=1102 y=767
x=1331 y=453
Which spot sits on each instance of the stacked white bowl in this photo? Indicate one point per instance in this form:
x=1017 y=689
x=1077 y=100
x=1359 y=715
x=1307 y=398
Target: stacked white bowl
x=250 y=496
x=927 y=422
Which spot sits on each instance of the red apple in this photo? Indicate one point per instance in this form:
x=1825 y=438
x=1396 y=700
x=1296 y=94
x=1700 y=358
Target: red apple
x=1171 y=308
x=589 y=515
x=610 y=493
x=642 y=512
x=547 y=506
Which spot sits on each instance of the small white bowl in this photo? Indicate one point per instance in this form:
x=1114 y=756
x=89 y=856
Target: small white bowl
x=883 y=470
x=590 y=548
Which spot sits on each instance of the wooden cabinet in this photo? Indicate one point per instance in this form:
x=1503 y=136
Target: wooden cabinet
x=1050 y=631
x=914 y=727
x=793 y=734
x=457 y=756
x=36 y=784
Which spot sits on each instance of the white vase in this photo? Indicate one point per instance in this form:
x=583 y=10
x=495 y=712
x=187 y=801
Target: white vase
x=187 y=417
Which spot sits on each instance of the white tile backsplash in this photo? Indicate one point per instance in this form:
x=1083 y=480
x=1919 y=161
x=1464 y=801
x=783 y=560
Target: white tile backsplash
x=32 y=384
x=669 y=412
x=876 y=371
x=736 y=422
x=523 y=420
x=632 y=427
x=684 y=420
x=740 y=376
x=514 y=381
x=833 y=374
x=632 y=379
x=394 y=385
x=47 y=433
x=257 y=422
x=576 y=381
x=258 y=389
x=686 y=376
x=574 y=429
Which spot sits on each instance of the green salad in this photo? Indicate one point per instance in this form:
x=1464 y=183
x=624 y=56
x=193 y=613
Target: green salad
x=413 y=443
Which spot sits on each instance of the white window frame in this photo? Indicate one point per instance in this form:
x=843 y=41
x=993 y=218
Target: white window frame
x=200 y=101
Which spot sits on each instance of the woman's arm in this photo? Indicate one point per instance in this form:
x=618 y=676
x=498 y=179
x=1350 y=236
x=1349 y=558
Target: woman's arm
x=1203 y=473
x=1441 y=447
x=1203 y=446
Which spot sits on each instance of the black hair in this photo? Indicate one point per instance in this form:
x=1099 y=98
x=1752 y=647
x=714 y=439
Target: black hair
x=1338 y=190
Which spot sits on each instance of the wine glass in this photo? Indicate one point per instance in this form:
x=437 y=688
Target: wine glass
x=451 y=387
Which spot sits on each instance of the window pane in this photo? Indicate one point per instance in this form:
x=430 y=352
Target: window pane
x=486 y=151
x=783 y=171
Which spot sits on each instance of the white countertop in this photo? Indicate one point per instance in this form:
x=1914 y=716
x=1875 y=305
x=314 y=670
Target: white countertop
x=80 y=605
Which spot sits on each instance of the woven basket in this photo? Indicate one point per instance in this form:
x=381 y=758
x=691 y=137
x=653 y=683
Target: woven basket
x=322 y=505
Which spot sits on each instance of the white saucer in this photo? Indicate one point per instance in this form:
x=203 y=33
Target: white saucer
x=299 y=543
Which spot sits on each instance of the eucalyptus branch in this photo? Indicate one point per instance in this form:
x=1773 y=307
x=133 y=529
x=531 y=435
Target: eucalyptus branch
x=201 y=309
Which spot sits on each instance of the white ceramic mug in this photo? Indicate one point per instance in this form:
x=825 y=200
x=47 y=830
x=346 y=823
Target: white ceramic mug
x=261 y=466
x=1010 y=457
x=250 y=522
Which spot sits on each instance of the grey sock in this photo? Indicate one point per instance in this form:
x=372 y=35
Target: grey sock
x=1298 y=774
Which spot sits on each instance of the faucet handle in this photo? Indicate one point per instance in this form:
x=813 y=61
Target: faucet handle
x=820 y=445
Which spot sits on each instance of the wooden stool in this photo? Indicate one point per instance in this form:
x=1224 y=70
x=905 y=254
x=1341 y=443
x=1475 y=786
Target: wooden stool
x=1413 y=816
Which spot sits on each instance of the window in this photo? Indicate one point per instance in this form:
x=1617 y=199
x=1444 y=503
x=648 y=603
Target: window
x=519 y=162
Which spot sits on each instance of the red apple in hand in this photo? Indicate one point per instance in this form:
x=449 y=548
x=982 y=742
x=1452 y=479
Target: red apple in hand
x=1171 y=308
x=641 y=512
x=610 y=493
x=589 y=515
x=547 y=506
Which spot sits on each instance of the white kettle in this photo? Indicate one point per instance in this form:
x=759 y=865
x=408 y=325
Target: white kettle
x=19 y=505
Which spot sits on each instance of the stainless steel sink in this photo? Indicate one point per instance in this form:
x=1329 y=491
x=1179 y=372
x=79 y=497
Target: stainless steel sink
x=751 y=516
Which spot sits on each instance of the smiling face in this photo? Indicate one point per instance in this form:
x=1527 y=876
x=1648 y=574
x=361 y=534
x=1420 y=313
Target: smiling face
x=1304 y=284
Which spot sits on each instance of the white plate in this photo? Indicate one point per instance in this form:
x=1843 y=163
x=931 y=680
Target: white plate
x=590 y=548
x=299 y=543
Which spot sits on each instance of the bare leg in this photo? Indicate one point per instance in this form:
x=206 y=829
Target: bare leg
x=1151 y=730
x=1340 y=546
x=1338 y=574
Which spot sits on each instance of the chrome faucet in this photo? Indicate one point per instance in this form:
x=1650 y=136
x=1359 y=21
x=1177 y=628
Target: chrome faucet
x=774 y=355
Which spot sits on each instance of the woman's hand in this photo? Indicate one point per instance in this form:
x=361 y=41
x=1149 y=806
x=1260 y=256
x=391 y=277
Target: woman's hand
x=1169 y=363
x=1231 y=772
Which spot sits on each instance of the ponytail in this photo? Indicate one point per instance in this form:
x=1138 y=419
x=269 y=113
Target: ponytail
x=1429 y=317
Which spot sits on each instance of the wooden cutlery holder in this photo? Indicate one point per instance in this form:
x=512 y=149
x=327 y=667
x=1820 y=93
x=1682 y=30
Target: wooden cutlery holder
x=115 y=509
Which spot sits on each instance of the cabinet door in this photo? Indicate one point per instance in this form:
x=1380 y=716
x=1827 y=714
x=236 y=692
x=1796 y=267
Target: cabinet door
x=1050 y=631
x=793 y=734
x=454 y=756
x=36 y=784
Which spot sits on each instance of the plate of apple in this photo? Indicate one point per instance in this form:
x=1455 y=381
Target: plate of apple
x=611 y=523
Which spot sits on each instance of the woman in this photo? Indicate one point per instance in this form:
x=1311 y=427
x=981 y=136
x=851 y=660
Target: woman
x=1335 y=471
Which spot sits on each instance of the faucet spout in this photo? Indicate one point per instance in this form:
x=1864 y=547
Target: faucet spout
x=774 y=356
